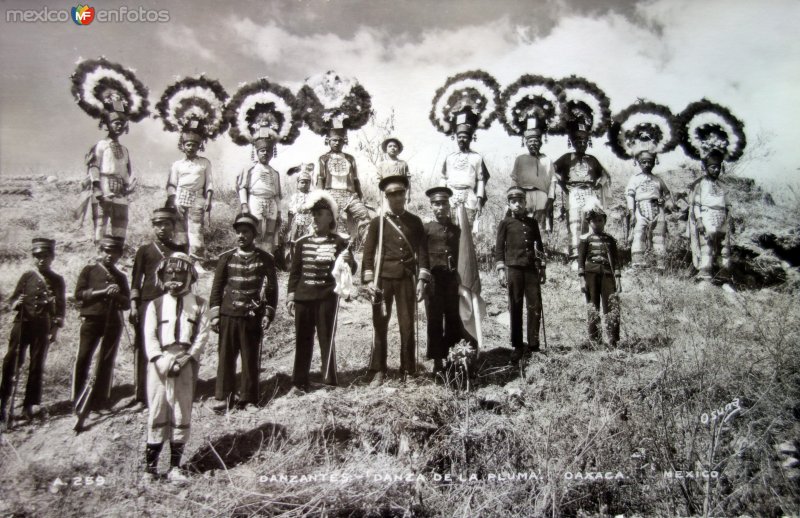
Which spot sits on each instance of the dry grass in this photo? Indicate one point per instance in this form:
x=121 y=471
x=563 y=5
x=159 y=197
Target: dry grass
x=636 y=410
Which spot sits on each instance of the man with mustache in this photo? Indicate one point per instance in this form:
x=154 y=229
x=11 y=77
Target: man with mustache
x=243 y=299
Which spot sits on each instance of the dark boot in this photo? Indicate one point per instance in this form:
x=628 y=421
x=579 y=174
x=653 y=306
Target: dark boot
x=151 y=453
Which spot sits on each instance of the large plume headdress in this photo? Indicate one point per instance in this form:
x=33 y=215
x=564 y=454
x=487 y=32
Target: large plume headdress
x=262 y=105
x=706 y=126
x=101 y=87
x=585 y=107
x=470 y=98
x=643 y=126
x=195 y=105
x=531 y=97
x=331 y=101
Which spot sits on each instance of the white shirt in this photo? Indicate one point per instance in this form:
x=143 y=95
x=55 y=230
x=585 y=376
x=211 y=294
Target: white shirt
x=193 y=315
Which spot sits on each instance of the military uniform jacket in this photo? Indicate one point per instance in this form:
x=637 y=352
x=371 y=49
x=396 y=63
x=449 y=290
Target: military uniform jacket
x=519 y=243
x=144 y=286
x=402 y=256
x=97 y=277
x=442 y=240
x=597 y=253
x=41 y=294
x=238 y=281
x=310 y=275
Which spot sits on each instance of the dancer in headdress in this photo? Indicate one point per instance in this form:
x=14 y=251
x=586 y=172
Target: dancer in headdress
x=194 y=107
x=176 y=332
x=580 y=175
x=113 y=95
x=641 y=132
x=299 y=218
x=712 y=134
x=529 y=107
x=262 y=114
x=467 y=102
x=332 y=106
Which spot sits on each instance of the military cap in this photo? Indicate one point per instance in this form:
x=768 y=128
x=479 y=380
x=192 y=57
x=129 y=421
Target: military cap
x=393 y=183
x=439 y=193
x=515 y=192
x=388 y=141
x=164 y=214
x=42 y=244
x=112 y=243
x=245 y=218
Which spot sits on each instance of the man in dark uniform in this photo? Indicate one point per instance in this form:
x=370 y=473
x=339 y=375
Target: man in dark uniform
x=403 y=257
x=311 y=295
x=145 y=287
x=598 y=266
x=244 y=295
x=441 y=304
x=520 y=265
x=39 y=302
x=103 y=293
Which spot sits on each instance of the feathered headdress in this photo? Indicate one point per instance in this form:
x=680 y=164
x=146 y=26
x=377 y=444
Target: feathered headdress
x=263 y=105
x=331 y=101
x=530 y=98
x=643 y=126
x=585 y=107
x=706 y=126
x=101 y=87
x=470 y=98
x=321 y=199
x=194 y=105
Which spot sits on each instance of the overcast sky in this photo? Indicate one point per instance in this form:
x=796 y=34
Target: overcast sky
x=742 y=54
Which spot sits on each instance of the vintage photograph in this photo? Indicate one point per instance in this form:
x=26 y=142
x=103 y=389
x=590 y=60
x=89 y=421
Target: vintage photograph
x=424 y=258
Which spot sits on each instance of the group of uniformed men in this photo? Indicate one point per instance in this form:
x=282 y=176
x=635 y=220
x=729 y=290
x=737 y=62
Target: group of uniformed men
x=404 y=261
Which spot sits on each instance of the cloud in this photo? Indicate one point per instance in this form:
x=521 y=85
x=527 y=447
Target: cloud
x=182 y=38
x=671 y=52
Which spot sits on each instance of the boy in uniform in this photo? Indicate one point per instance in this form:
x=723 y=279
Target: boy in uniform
x=520 y=265
x=441 y=302
x=39 y=303
x=103 y=293
x=599 y=268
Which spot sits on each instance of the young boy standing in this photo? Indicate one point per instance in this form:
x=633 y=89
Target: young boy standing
x=393 y=166
x=39 y=303
x=520 y=266
x=441 y=304
x=103 y=293
x=598 y=266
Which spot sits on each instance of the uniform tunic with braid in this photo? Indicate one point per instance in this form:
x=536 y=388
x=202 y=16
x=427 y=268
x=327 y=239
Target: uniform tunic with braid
x=234 y=298
x=598 y=263
x=311 y=287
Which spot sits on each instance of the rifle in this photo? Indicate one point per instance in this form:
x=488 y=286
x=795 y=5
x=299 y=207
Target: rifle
x=15 y=378
x=83 y=404
x=626 y=227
